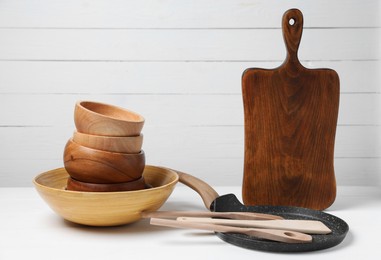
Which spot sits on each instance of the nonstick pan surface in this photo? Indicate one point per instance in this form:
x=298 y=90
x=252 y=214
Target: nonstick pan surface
x=338 y=226
x=230 y=203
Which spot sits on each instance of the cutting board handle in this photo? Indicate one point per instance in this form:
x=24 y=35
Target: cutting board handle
x=292 y=26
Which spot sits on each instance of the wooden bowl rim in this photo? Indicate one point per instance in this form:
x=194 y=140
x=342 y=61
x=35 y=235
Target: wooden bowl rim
x=171 y=182
x=140 y=118
x=110 y=137
x=116 y=144
x=140 y=153
x=77 y=185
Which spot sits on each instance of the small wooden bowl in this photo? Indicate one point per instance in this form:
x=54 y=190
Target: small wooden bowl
x=105 y=208
x=117 y=144
x=76 y=185
x=102 y=119
x=97 y=166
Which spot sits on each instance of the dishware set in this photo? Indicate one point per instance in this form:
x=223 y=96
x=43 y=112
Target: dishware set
x=290 y=118
x=105 y=152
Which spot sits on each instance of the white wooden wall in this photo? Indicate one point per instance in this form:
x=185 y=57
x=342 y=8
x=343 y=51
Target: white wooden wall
x=179 y=64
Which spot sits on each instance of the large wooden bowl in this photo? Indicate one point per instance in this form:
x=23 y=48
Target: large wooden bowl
x=105 y=208
x=117 y=144
x=97 y=166
x=102 y=119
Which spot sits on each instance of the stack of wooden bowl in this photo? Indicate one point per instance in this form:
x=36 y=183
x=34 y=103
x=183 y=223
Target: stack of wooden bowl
x=104 y=154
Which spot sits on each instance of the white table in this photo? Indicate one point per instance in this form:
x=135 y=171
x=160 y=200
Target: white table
x=29 y=229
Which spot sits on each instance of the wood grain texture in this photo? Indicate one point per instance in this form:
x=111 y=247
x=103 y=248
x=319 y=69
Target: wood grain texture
x=211 y=214
x=116 y=144
x=97 y=118
x=290 y=125
x=207 y=193
x=270 y=234
x=76 y=185
x=304 y=226
x=97 y=166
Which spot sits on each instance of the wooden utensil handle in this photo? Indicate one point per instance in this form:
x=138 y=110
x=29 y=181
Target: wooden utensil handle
x=270 y=234
x=228 y=215
x=292 y=26
x=304 y=226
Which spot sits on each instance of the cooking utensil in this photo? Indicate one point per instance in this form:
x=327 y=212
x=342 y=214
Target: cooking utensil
x=270 y=234
x=105 y=208
x=229 y=215
x=230 y=203
x=290 y=116
x=103 y=119
x=304 y=226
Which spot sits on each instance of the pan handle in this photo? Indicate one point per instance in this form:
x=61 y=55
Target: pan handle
x=207 y=193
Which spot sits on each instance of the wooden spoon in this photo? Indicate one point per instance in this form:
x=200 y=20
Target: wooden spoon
x=304 y=226
x=270 y=234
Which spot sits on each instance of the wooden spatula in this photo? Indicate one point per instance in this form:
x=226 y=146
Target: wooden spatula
x=290 y=124
x=304 y=226
x=270 y=234
x=228 y=215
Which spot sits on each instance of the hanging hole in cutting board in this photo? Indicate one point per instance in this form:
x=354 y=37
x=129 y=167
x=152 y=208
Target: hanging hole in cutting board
x=291 y=21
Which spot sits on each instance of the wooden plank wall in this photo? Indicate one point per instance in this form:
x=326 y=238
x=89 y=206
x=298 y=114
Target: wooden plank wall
x=178 y=63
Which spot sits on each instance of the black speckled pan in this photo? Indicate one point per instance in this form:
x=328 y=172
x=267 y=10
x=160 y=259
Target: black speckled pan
x=230 y=203
x=338 y=226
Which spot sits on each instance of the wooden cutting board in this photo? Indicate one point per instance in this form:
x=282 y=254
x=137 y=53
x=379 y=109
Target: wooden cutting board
x=290 y=125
